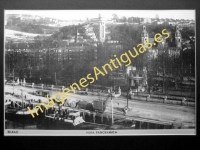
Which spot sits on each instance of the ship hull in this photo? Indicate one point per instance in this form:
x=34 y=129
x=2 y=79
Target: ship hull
x=21 y=118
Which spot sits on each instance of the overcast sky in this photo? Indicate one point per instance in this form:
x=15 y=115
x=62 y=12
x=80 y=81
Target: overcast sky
x=83 y=14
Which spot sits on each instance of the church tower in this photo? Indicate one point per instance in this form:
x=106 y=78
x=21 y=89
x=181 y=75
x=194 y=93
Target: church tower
x=178 y=38
x=102 y=34
x=144 y=35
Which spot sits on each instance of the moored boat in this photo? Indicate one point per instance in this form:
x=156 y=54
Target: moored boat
x=18 y=112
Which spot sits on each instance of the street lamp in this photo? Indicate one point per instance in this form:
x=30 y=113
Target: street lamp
x=137 y=84
x=126 y=108
x=129 y=92
x=127 y=97
x=111 y=105
x=13 y=81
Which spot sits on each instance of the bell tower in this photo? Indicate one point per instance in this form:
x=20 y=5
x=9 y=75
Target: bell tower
x=144 y=35
x=178 y=38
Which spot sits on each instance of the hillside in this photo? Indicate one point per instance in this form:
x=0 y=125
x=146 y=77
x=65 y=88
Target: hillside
x=30 y=24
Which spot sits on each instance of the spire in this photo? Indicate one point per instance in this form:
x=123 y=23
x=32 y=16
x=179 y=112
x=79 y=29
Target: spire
x=178 y=37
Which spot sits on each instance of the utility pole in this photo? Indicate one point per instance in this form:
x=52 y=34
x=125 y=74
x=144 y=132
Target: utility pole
x=112 y=107
x=13 y=81
x=127 y=97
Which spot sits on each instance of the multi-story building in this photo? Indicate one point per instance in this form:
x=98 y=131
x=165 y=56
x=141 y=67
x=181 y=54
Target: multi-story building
x=145 y=20
x=26 y=60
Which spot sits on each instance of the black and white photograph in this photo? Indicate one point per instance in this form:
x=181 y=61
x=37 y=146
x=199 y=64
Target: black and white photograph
x=99 y=72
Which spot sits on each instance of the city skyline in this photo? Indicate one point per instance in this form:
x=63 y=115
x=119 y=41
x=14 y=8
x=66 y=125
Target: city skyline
x=107 y=14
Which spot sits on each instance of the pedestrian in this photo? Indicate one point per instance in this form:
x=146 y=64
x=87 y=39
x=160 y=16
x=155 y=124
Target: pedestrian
x=12 y=104
x=125 y=111
x=16 y=105
x=183 y=100
x=64 y=114
x=25 y=96
x=57 y=114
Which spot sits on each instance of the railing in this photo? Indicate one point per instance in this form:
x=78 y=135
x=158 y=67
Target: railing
x=163 y=99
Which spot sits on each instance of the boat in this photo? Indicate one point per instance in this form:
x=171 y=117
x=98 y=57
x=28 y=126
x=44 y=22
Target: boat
x=17 y=113
x=68 y=119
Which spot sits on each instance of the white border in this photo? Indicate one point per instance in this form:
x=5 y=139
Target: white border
x=134 y=132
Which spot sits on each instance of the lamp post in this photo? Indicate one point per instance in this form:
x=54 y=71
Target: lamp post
x=112 y=109
x=137 y=86
x=127 y=97
x=126 y=109
x=111 y=106
x=13 y=81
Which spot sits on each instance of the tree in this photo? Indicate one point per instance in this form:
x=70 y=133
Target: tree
x=115 y=17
